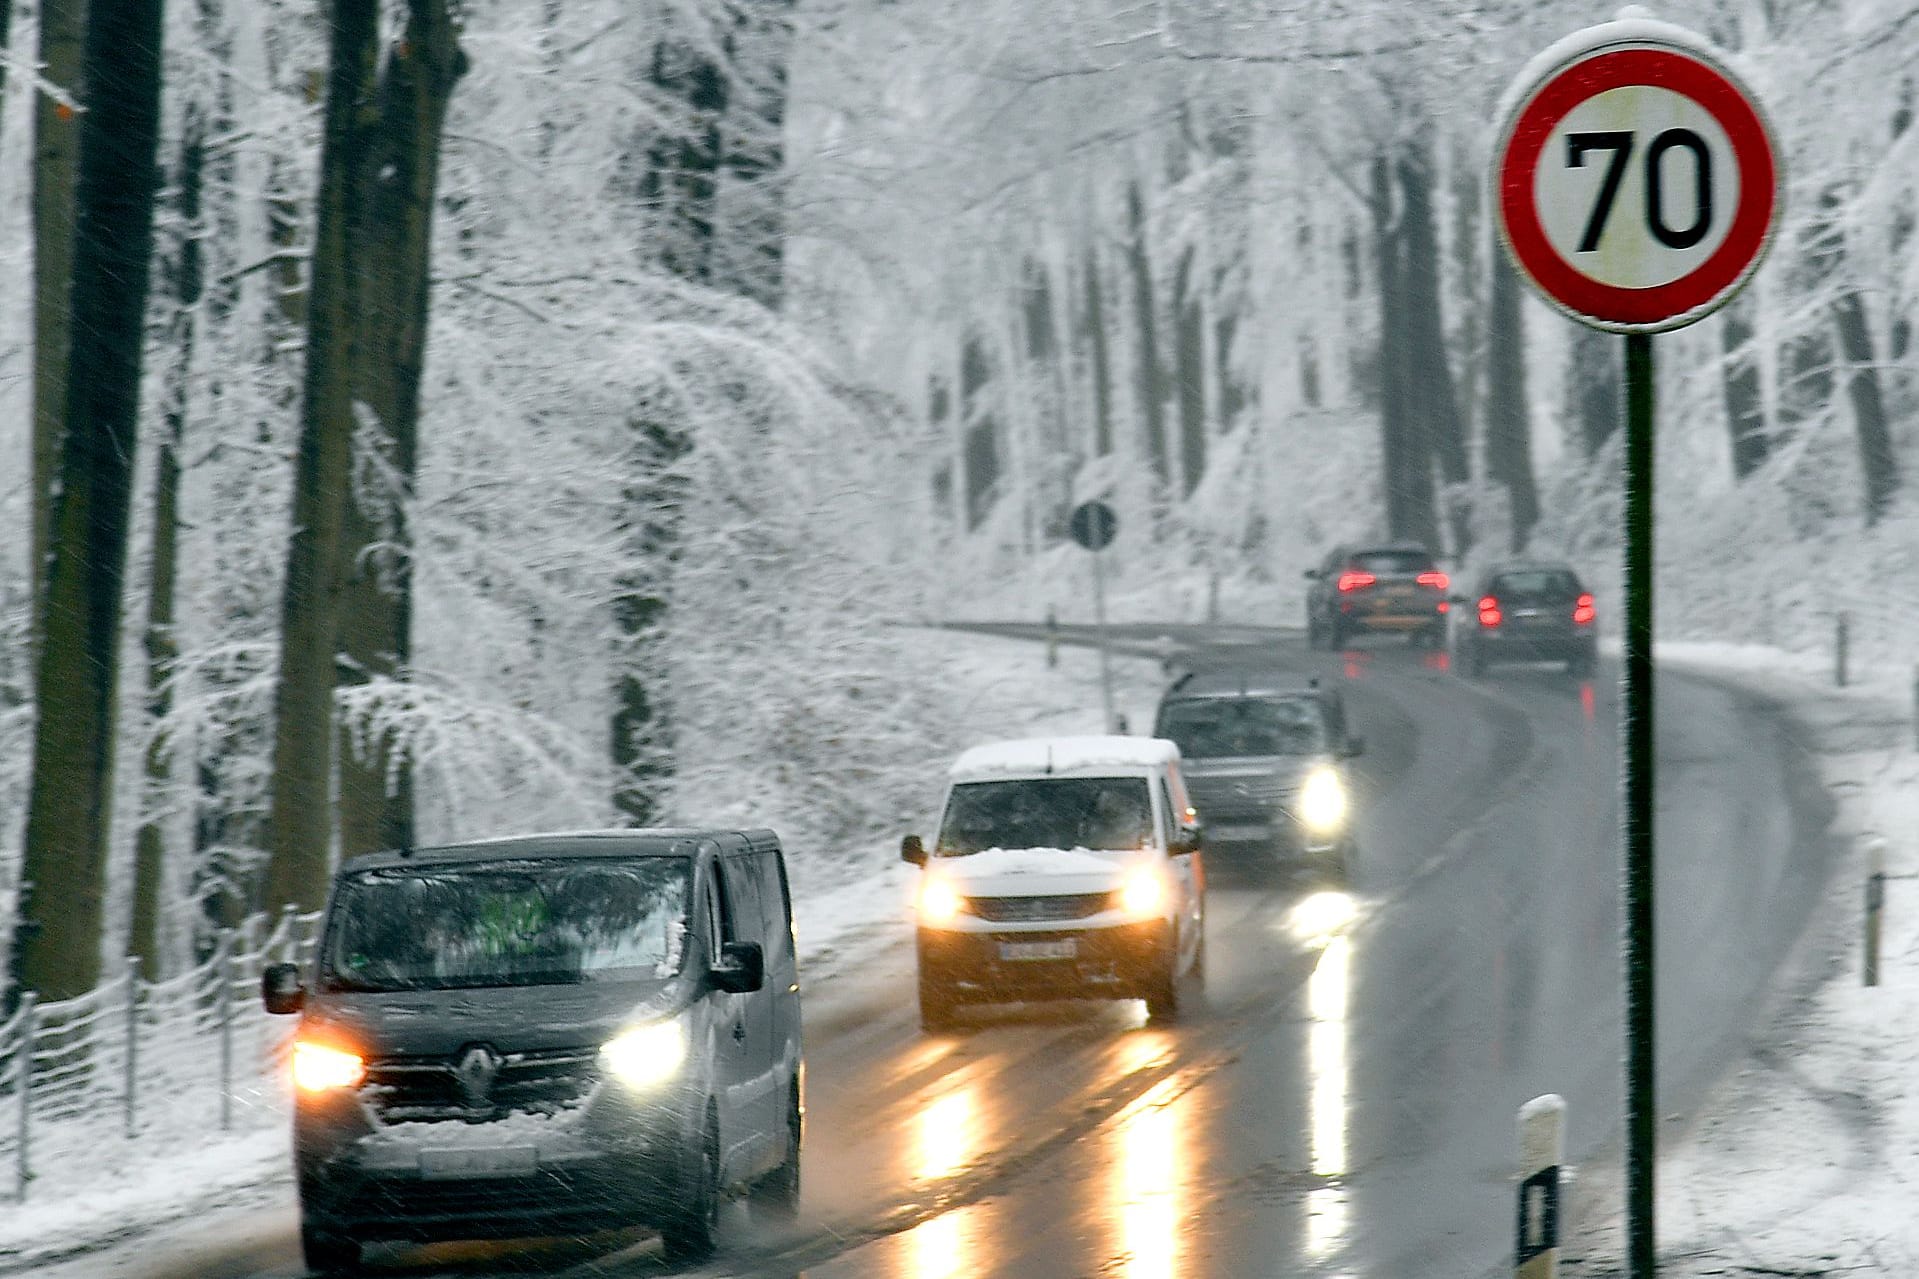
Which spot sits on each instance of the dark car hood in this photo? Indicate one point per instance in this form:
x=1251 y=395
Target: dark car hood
x=511 y=1018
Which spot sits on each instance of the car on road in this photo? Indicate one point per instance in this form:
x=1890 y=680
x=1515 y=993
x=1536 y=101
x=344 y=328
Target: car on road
x=1397 y=588
x=545 y=1035
x=1265 y=759
x=1064 y=868
x=1530 y=612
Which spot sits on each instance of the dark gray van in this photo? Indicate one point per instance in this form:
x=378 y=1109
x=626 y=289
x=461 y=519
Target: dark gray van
x=547 y=1035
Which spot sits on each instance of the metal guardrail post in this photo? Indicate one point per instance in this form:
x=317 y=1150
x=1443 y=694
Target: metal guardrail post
x=223 y=969
x=1840 y=643
x=23 y=1066
x=1915 y=706
x=133 y=1041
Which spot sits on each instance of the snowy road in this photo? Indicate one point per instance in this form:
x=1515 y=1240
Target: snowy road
x=1344 y=1105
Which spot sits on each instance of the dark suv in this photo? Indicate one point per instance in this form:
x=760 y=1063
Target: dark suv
x=1264 y=757
x=547 y=1035
x=1530 y=613
x=1397 y=588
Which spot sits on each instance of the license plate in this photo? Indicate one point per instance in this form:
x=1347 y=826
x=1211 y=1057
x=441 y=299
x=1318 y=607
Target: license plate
x=1021 y=950
x=479 y=1161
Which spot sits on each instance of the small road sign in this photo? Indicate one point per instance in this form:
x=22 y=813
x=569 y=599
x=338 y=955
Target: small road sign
x=1093 y=525
x=1636 y=181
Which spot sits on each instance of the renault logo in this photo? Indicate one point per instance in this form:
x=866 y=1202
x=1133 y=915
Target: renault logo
x=479 y=1065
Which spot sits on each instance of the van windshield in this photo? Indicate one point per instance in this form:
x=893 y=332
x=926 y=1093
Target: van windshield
x=531 y=922
x=1221 y=727
x=1047 y=812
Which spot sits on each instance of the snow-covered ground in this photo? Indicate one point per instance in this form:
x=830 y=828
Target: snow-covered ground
x=1802 y=1165
x=1806 y=1159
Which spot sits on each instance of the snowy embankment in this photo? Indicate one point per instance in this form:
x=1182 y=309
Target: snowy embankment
x=847 y=902
x=1805 y=1160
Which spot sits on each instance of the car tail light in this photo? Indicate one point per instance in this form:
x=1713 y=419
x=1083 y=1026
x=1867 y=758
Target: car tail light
x=1351 y=580
x=1583 y=611
x=1489 y=614
x=1435 y=579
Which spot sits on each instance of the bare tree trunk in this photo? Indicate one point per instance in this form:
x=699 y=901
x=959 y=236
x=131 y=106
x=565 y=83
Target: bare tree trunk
x=56 y=166
x=57 y=942
x=1429 y=373
x=1095 y=331
x=1406 y=467
x=1739 y=384
x=1509 y=456
x=1152 y=375
x=299 y=824
x=399 y=181
x=1878 y=464
x=1593 y=385
x=1189 y=352
x=162 y=648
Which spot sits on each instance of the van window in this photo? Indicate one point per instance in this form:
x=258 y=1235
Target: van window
x=1047 y=812
x=1224 y=727
x=743 y=895
x=776 y=903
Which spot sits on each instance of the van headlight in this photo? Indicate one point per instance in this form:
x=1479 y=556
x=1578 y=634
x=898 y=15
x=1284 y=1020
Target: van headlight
x=1142 y=894
x=646 y=1055
x=940 y=903
x=1322 y=802
x=323 y=1068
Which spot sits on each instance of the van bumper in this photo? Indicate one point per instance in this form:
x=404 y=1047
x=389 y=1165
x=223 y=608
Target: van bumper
x=1117 y=962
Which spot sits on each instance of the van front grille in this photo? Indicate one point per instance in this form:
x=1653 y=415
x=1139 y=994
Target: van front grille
x=1029 y=910
x=428 y=1089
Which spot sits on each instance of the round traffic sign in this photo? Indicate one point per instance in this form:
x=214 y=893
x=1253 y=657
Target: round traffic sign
x=1635 y=178
x=1093 y=525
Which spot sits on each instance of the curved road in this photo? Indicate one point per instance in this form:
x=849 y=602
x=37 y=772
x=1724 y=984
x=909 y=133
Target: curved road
x=1344 y=1104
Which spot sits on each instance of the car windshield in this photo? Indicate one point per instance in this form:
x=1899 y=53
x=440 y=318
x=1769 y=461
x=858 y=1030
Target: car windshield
x=526 y=922
x=1048 y=812
x=1540 y=584
x=1213 y=728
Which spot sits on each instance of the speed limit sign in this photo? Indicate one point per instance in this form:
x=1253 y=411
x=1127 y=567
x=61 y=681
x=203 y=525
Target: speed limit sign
x=1635 y=178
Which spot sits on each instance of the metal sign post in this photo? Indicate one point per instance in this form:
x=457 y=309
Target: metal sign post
x=1093 y=526
x=1637 y=187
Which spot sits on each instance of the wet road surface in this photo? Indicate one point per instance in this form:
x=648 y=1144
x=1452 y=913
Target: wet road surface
x=1343 y=1103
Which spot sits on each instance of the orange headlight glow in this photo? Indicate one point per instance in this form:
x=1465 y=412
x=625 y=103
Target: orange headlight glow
x=940 y=902
x=1143 y=892
x=318 y=1068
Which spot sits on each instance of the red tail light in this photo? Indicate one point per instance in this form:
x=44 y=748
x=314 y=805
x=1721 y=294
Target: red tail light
x=1583 y=611
x=1489 y=614
x=1352 y=581
x=1435 y=579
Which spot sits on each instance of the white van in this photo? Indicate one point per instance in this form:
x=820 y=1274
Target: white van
x=1064 y=868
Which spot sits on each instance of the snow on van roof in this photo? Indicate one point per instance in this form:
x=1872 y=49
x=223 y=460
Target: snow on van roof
x=1038 y=756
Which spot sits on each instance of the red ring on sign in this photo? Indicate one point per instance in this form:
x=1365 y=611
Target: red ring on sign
x=1752 y=154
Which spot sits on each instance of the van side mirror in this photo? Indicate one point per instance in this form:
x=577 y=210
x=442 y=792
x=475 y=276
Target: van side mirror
x=1188 y=839
x=1311 y=574
x=280 y=988
x=913 y=851
x=741 y=970
x=1355 y=746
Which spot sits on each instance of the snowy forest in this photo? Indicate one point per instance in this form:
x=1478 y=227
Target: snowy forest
x=428 y=419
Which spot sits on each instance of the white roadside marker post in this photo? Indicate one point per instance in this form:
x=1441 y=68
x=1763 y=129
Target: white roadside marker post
x=1542 y=1145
